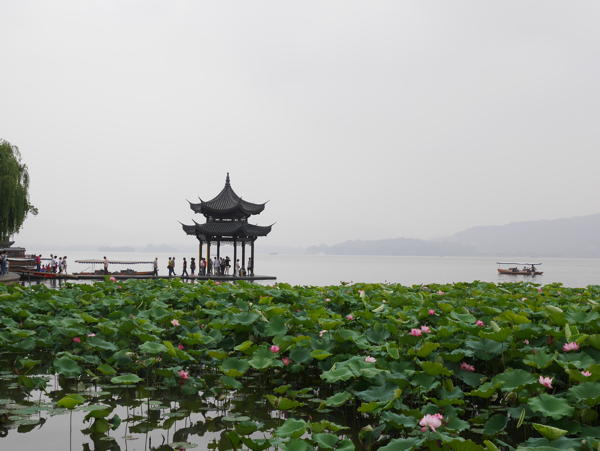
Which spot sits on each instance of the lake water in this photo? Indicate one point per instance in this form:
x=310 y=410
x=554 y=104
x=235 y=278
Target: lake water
x=332 y=269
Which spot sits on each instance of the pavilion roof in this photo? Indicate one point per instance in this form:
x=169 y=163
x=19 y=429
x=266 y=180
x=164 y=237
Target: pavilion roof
x=226 y=229
x=227 y=204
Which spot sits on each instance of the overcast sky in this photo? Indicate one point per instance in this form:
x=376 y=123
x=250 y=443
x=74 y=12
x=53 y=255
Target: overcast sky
x=356 y=119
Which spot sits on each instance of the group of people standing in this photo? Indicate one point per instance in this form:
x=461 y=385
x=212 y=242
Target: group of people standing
x=217 y=266
x=55 y=264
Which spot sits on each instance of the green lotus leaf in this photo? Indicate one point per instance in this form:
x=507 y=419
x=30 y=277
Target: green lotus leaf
x=152 y=347
x=244 y=346
x=297 y=444
x=276 y=327
x=367 y=407
x=126 y=379
x=484 y=390
x=382 y=393
x=402 y=444
x=70 y=401
x=550 y=406
x=435 y=369
x=427 y=348
x=511 y=380
x=539 y=360
x=98 y=343
x=67 y=367
x=325 y=440
x=549 y=432
x=261 y=359
x=495 y=424
x=244 y=318
x=338 y=399
x=301 y=354
x=106 y=370
x=291 y=428
x=399 y=420
x=234 y=367
x=588 y=393
x=320 y=354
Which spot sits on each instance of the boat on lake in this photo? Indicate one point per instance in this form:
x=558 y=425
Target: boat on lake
x=92 y=271
x=520 y=269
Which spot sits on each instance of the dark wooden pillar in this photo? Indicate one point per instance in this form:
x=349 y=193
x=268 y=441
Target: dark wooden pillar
x=207 y=255
x=234 y=255
x=218 y=249
x=244 y=256
x=199 y=254
x=252 y=256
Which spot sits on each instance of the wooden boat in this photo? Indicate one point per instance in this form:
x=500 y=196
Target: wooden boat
x=527 y=269
x=33 y=274
x=124 y=272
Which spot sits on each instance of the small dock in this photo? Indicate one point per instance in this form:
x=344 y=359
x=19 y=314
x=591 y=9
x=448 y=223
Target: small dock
x=9 y=278
x=229 y=278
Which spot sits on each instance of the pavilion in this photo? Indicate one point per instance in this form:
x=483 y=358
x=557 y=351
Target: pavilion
x=227 y=221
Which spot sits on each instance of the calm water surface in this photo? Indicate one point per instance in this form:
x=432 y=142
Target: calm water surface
x=332 y=269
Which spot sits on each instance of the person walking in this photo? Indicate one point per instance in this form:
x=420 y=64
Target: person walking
x=227 y=265
x=171 y=266
x=155 y=267
x=38 y=263
x=184 y=272
x=105 y=264
x=193 y=266
x=203 y=266
x=64 y=265
x=216 y=267
x=236 y=270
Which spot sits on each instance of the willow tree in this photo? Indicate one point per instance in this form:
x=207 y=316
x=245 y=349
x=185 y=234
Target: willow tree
x=14 y=191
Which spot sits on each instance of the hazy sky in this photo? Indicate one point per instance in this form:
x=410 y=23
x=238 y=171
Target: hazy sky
x=356 y=119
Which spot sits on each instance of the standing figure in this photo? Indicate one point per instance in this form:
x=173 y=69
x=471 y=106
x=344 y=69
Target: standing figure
x=216 y=267
x=236 y=269
x=227 y=265
x=184 y=271
x=38 y=263
x=193 y=266
x=203 y=266
x=64 y=265
x=105 y=264
x=250 y=268
x=155 y=267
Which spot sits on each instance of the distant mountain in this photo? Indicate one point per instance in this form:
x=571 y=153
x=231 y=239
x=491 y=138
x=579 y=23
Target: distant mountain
x=116 y=249
x=565 y=237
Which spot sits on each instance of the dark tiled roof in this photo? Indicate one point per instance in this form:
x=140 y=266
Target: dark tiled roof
x=226 y=228
x=227 y=204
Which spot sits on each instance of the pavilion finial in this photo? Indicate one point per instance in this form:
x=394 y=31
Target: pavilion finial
x=227 y=179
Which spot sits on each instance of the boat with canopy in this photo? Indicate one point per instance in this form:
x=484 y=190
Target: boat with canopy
x=520 y=269
x=92 y=271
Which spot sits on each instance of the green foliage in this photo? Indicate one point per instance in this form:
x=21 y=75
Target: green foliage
x=262 y=352
x=14 y=189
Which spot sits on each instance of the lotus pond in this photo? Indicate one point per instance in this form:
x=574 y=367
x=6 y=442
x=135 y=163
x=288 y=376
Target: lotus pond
x=468 y=366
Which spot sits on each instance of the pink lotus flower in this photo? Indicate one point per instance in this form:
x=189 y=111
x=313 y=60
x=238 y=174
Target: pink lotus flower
x=586 y=373
x=77 y=339
x=180 y=347
x=465 y=366
x=175 y=323
x=217 y=283
x=370 y=359
x=416 y=332
x=322 y=332
x=285 y=361
x=327 y=300
x=349 y=317
x=431 y=421
x=545 y=381
x=540 y=290
x=426 y=329
x=571 y=346
x=440 y=292
x=183 y=374
x=112 y=279
x=274 y=349
x=479 y=323
x=526 y=341
x=361 y=293
x=92 y=335
x=431 y=311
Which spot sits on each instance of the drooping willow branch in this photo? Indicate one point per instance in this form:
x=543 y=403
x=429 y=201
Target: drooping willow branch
x=14 y=191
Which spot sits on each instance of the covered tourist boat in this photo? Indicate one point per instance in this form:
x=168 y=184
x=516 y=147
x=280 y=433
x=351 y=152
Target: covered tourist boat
x=92 y=271
x=519 y=269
